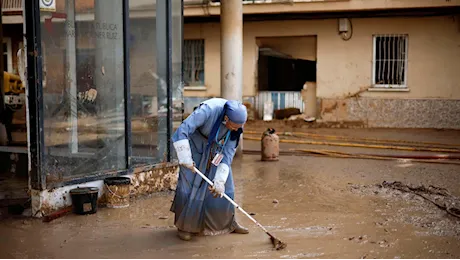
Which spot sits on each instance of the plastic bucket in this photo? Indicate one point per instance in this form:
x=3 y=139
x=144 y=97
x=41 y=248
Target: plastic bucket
x=84 y=200
x=117 y=192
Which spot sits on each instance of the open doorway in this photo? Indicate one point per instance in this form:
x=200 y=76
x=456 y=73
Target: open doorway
x=285 y=65
x=14 y=174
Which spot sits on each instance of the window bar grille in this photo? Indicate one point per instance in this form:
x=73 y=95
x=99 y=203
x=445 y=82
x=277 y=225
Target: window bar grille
x=398 y=65
x=193 y=61
x=378 y=42
x=402 y=59
x=393 y=59
x=390 y=59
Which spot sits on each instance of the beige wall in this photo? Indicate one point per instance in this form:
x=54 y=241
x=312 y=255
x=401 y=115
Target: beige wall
x=346 y=66
x=211 y=35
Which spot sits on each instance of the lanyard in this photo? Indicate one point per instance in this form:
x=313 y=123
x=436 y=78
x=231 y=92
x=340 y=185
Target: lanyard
x=226 y=139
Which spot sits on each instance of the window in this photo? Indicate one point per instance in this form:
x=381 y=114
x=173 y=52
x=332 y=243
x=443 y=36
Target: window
x=194 y=63
x=7 y=55
x=88 y=130
x=390 y=61
x=84 y=112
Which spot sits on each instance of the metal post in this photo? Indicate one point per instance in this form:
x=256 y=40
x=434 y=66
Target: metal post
x=127 y=81
x=231 y=44
x=35 y=94
x=3 y=131
x=164 y=69
x=22 y=69
x=71 y=71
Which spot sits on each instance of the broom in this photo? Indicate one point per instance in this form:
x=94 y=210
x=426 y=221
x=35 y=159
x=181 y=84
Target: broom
x=278 y=244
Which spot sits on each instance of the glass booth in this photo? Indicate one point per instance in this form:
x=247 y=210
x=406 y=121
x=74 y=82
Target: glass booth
x=105 y=87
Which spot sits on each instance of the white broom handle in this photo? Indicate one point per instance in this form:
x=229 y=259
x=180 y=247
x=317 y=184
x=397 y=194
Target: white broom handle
x=230 y=200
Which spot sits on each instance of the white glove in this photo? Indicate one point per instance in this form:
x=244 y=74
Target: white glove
x=220 y=179
x=184 y=154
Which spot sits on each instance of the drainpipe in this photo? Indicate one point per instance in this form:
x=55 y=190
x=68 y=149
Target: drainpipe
x=231 y=44
x=71 y=71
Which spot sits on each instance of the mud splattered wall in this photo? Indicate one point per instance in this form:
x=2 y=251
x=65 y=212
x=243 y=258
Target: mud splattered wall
x=143 y=182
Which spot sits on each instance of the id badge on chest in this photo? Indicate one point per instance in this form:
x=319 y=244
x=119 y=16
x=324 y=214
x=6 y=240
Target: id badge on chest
x=217 y=159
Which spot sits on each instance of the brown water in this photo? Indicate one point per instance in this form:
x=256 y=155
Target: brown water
x=323 y=210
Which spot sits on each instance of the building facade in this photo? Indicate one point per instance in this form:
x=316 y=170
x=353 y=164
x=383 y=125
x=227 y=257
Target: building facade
x=103 y=95
x=372 y=62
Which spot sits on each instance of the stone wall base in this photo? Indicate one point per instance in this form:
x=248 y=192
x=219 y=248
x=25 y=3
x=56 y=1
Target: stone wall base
x=393 y=113
x=144 y=181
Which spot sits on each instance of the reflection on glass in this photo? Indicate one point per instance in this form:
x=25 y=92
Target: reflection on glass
x=148 y=80
x=84 y=92
x=146 y=108
x=82 y=46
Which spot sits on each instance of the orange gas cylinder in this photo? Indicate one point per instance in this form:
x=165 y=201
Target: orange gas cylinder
x=270 y=145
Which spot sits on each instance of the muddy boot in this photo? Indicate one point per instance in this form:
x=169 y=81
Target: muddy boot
x=186 y=236
x=240 y=229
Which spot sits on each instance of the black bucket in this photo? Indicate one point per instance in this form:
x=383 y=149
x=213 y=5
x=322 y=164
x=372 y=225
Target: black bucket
x=84 y=200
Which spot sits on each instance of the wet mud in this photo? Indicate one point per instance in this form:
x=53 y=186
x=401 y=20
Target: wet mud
x=415 y=209
x=321 y=207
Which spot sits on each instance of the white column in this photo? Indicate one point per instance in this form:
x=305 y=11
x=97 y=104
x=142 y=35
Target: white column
x=71 y=71
x=109 y=75
x=231 y=49
x=231 y=42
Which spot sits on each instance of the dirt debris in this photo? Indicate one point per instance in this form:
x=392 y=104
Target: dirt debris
x=315 y=197
x=417 y=210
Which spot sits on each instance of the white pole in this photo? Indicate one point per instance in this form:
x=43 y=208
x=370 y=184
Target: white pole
x=109 y=73
x=231 y=36
x=71 y=69
x=231 y=43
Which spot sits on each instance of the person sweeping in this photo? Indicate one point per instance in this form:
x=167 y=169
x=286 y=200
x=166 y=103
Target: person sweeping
x=207 y=140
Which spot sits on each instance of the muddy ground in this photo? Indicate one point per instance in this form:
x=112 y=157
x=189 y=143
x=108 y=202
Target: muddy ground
x=322 y=207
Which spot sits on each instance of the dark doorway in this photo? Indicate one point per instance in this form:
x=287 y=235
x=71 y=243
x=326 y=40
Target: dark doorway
x=285 y=65
x=284 y=74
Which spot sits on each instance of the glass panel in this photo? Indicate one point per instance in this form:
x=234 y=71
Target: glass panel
x=143 y=75
x=83 y=94
x=144 y=100
x=177 y=84
x=148 y=82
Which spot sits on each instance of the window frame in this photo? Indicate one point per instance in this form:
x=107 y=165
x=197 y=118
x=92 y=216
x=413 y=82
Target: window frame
x=386 y=87
x=35 y=75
